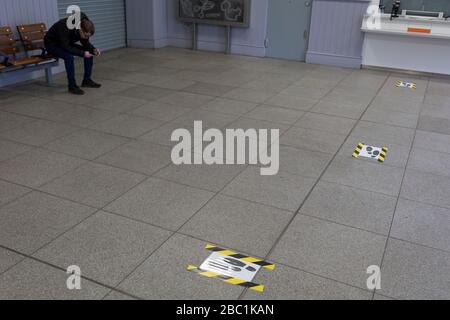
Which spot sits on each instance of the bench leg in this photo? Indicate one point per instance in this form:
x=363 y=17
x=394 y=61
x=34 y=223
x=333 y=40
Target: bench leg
x=49 y=76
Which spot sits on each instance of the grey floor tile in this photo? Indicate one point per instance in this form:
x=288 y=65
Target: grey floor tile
x=434 y=124
x=426 y=187
x=250 y=95
x=438 y=87
x=238 y=224
x=437 y=111
x=303 y=162
x=386 y=102
x=270 y=84
x=314 y=140
x=349 y=206
x=275 y=114
x=145 y=92
x=429 y=161
x=138 y=156
x=32 y=280
x=364 y=175
x=384 y=134
x=8 y=259
x=209 y=119
x=208 y=89
x=65 y=97
x=161 y=203
x=164 y=276
x=106 y=247
x=9 y=192
x=186 y=99
x=229 y=106
x=292 y=102
x=172 y=82
x=326 y=123
x=140 y=78
x=438 y=100
x=397 y=155
x=39 y=132
x=402 y=119
x=37 y=107
x=10 y=121
x=118 y=296
x=117 y=103
x=422 y=224
x=82 y=116
x=86 y=144
x=37 y=167
x=284 y=191
x=127 y=125
x=160 y=111
x=248 y=123
x=414 y=272
x=31 y=221
x=338 y=109
x=353 y=99
x=380 y=297
x=209 y=177
x=432 y=141
x=285 y=283
x=9 y=149
x=163 y=134
x=331 y=250
x=93 y=184
x=305 y=92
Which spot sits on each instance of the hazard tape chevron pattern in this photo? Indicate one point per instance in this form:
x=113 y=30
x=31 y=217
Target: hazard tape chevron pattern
x=229 y=280
x=403 y=84
x=242 y=257
x=383 y=154
x=358 y=150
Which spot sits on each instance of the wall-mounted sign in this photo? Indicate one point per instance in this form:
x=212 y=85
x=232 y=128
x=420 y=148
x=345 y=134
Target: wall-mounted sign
x=235 y=13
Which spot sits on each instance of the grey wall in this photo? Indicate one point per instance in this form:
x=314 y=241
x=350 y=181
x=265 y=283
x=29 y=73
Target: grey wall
x=153 y=24
x=335 y=35
x=147 y=23
x=15 y=12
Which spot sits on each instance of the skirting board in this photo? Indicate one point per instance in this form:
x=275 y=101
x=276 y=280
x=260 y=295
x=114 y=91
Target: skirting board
x=151 y=44
x=219 y=47
x=333 y=60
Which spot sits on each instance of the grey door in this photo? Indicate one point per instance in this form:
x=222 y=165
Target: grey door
x=288 y=29
x=108 y=17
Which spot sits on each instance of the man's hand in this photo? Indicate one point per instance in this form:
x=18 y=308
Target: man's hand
x=87 y=54
x=97 y=52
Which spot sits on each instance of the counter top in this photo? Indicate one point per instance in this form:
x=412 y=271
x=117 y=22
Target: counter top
x=426 y=27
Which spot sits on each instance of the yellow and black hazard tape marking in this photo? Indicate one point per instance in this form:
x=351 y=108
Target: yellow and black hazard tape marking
x=227 y=279
x=404 y=84
x=383 y=154
x=358 y=150
x=239 y=256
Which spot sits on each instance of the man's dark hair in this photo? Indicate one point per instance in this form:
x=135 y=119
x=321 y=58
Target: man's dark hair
x=87 y=26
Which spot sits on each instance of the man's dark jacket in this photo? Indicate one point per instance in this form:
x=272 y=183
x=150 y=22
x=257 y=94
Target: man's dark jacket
x=61 y=36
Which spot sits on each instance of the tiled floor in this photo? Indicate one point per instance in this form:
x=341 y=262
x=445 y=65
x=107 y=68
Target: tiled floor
x=88 y=181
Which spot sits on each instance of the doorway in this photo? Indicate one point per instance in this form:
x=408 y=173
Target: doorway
x=288 y=29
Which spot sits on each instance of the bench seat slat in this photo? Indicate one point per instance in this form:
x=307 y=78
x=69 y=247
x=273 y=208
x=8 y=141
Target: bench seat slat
x=24 y=28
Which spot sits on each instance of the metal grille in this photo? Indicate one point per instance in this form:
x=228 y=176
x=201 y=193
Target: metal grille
x=108 y=17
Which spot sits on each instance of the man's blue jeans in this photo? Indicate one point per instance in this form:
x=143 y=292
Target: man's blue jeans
x=70 y=64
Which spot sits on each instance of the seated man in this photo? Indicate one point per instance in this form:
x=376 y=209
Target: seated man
x=61 y=42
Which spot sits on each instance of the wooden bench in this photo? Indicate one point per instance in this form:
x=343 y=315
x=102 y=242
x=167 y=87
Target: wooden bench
x=31 y=40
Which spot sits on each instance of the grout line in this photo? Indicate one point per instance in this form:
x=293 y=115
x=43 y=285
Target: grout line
x=401 y=184
x=319 y=178
x=29 y=257
x=225 y=186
